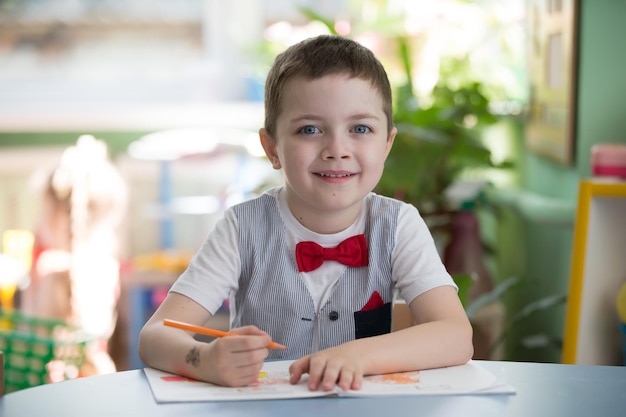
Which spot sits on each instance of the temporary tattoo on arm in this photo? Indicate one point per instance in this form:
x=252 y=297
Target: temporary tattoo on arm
x=193 y=357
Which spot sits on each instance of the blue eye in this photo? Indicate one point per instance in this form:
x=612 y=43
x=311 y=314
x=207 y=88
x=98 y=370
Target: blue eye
x=361 y=129
x=309 y=130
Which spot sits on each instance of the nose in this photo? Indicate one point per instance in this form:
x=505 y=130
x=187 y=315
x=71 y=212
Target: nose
x=336 y=147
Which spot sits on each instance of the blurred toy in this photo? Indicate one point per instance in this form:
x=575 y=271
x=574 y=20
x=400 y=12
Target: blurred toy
x=75 y=274
x=609 y=160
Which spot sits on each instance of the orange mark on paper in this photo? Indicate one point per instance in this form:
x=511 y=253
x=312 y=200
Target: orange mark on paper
x=401 y=378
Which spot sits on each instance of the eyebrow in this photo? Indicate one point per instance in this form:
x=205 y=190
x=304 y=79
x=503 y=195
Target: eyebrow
x=365 y=116
x=358 y=116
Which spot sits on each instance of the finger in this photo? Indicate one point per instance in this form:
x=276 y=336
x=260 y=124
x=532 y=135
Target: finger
x=298 y=368
x=317 y=369
x=245 y=342
x=250 y=372
x=357 y=381
x=241 y=377
x=330 y=377
x=239 y=371
x=346 y=380
x=238 y=351
x=249 y=330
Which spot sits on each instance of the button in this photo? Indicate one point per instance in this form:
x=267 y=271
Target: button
x=333 y=316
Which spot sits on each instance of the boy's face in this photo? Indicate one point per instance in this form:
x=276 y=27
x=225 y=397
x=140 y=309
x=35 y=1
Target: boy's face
x=331 y=142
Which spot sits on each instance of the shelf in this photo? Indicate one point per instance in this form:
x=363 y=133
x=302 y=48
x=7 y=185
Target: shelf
x=27 y=117
x=598 y=269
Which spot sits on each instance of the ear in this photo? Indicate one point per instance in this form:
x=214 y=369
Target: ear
x=269 y=146
x=392 y=137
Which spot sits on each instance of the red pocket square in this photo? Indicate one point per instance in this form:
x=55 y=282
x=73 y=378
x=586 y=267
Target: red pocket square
x=374 y=302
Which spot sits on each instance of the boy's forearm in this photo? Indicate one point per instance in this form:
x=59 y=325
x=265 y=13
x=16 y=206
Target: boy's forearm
x=170 y=350
x=424 y=346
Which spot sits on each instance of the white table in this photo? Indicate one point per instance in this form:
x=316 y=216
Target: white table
x=551 y=390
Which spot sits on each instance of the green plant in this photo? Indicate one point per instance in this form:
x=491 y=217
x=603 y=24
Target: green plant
x=464 y=282
x=438 y=137
x=529 y=341
x=438 y=142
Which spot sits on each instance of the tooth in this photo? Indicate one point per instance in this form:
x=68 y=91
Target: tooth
x=334 y=175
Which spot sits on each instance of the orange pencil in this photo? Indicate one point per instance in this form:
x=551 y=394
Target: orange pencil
x=211 y=332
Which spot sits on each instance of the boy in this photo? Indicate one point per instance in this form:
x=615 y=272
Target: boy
x=328 y=126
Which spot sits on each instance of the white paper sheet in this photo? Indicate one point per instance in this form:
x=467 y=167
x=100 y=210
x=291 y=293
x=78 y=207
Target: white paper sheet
x=273 y=383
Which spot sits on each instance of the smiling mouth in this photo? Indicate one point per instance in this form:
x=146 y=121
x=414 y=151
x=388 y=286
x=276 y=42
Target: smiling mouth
x=327 y=175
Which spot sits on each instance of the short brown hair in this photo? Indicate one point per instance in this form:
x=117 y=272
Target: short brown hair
x=319 y=56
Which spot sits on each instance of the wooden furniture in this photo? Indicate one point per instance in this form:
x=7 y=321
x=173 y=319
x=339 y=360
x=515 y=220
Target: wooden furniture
x=598 y=268
x=401 y=317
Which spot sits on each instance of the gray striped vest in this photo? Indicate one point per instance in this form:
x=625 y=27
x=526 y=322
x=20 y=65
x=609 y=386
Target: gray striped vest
x=272 y=296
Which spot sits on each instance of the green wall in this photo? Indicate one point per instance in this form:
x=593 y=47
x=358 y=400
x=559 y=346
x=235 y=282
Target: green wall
x=535 y=227
x=602 y=80
x=601 y=88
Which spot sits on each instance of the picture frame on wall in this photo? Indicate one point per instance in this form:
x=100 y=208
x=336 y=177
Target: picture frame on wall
x=552 y=70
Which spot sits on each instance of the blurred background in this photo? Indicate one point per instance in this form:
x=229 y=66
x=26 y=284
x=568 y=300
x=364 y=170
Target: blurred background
x=175 y=90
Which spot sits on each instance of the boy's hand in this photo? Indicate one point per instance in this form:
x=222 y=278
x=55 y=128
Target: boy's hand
x=236 y=361
x=339 y=366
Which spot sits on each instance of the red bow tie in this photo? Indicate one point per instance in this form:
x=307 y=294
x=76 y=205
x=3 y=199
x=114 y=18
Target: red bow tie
x=351 y=252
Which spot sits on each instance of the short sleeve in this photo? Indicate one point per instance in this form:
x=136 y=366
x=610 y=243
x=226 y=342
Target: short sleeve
x=213 y=273
x=416 y=263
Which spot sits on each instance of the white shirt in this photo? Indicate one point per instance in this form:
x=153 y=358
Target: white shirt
x=416 y=264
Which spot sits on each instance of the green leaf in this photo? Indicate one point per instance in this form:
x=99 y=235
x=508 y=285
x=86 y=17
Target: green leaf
x=464 y=282
x=538 y=305
x=540 y=341
x=313 y=15
x=493 y=295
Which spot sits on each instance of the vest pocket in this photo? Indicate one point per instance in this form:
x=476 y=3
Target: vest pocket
x=372 y=322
